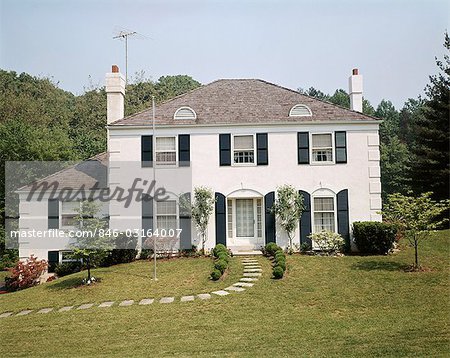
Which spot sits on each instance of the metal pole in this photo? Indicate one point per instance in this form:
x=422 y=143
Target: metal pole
x=126 y=60
x=154 y=188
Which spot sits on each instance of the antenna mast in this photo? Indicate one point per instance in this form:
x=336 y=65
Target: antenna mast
x=124 y=35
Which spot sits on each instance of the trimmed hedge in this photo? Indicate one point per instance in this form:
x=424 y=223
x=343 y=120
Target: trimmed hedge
x=68 y=268
x=221 y=259
x=372 y=237
x=271 y=248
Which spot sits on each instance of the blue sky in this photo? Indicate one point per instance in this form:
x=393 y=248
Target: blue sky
x=291 y=43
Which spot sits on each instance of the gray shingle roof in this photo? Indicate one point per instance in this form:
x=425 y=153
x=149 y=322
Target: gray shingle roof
x=240 y=101
x=91 y=173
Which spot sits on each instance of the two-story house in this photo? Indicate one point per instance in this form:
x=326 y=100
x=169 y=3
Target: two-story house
x=242 y=138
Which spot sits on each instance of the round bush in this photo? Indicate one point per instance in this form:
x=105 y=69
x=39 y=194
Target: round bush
x=221 y=265
x=277 y=272
x=271 y=248
x=280 y=254
x=215 y=275
x=224 y=257
x=219 y=248
x=282 y=264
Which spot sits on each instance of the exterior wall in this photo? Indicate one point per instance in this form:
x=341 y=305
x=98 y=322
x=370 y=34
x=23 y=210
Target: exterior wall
x=360 y=175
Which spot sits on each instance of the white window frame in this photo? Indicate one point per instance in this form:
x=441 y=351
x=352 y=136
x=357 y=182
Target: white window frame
x=254 y=150
x=177 y=215
x=161 y=164
x=333 y=150
x=313 y=209
x=62 y=260
x=180 y=109
x=67 y=227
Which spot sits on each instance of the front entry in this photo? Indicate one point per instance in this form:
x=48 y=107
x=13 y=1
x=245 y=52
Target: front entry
x=245 y=223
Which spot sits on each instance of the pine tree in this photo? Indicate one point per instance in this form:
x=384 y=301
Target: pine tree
x=430 y=169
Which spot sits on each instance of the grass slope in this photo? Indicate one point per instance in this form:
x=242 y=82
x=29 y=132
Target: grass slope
x=325 y=306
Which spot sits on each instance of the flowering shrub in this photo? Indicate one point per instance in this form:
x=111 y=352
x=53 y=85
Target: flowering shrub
x=25 y=274
x=328 y=241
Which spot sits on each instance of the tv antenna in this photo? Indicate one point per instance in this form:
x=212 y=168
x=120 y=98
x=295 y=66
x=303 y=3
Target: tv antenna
x=123 y=35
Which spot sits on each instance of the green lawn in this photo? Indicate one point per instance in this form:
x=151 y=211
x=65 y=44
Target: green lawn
x=325 y=306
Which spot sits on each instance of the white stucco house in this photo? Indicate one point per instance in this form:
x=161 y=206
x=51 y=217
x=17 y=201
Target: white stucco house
x=242 y=138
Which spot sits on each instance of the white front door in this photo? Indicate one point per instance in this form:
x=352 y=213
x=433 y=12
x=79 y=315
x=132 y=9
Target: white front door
x=245 y=222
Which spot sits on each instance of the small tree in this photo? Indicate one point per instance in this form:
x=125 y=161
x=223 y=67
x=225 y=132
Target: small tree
x=201 y=209
x=288 y=209
x=93 y=243
x=416 y=216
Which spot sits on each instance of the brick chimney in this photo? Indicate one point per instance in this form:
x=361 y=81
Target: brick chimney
x=115 y=95
x=355 y=84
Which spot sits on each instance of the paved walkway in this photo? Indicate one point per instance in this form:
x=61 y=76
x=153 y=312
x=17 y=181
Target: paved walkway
x=252 y=271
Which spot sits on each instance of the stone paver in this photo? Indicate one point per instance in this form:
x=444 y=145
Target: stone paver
x=85 y=306
x=253 y=270
x=106 y=304
x=221 y=293
x=6 y=314
x=45 y=310
x=236 y=289
x=166 y=300
x=252 y=274
x=252 y=267
x=250 y=261
x=187 y=298
x=65 y=309
x=146 y=301
x=248 y=279
x=243 y=284
x=204 y=296
x=126 y=303
x=24 y=312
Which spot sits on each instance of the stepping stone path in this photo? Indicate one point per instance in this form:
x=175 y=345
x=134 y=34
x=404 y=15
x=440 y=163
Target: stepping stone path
x=45 y=310
x=204 y=296
x=126 y=303
x=106 y=304
x=65 y=309
x=167 y=300
x=187 y=298
x=236 y=289
x=85 y=306
x=221 y=293
x=252 y=270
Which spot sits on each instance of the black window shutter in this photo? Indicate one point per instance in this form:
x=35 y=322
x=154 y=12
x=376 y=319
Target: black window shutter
x=342 y=216
x=303 y=147
x=340 y=140
x=185 y=223
x=221 y=232
x=184 y=155
x=53 y=214
x=305 y=219
x=147 y=213
x=262 y=148
x=53 y=260
x=269 y=216
x=225 y=149
x=147 y=150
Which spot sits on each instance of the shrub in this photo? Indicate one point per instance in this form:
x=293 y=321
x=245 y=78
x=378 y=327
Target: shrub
x=280 y=254
x=221 y=265
x=223 y=256
x=282 y=264
x=215 y=275
x=271 y=248
x=67 y=268
x=304 y=247
x=277 y=272
x=25 y=274
x=328 y=241
x=220 y=248
x=373 y=237
x=124 y=252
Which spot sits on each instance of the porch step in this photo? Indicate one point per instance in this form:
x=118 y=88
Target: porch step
x=246 y=253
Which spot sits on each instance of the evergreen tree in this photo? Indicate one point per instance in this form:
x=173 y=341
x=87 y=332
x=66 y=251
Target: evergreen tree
x=431 y=134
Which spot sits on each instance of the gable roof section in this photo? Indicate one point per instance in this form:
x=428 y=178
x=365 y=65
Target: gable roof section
x=241 y=101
